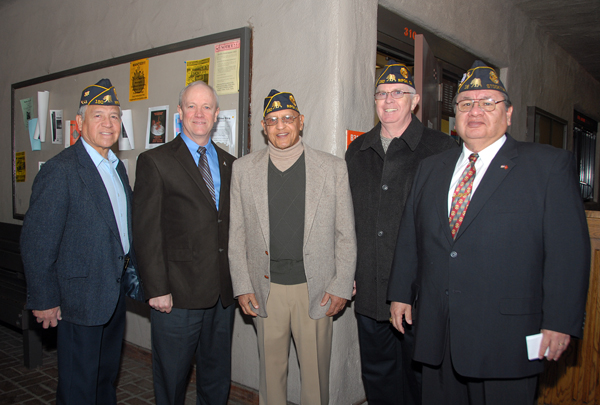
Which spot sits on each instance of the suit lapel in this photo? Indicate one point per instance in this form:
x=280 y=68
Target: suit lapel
x=445 y=178
x=183 y=156
x=315 y=180
x=497 y=171
x=225 y=174
x=93 y=181
x=259 y=179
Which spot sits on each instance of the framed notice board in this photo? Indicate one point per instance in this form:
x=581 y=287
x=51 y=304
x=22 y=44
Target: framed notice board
x=148 y=85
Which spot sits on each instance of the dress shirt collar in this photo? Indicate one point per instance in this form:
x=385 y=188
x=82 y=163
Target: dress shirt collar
x=97 y=158
x=193 y=146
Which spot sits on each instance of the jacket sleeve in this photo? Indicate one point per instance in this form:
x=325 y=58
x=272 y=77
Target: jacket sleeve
x=41 y=236
x=566 y=250
x=238 y=263
x=148 y=238
x=345 y=236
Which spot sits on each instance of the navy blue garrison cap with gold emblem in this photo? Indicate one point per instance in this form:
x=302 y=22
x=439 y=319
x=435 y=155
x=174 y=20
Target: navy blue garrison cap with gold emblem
x=101 y=93
x=279 y=100
x=396 y=73
x=481 y=77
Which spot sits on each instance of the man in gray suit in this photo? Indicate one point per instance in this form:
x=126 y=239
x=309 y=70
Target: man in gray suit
x=75 y=246
x=292 y=250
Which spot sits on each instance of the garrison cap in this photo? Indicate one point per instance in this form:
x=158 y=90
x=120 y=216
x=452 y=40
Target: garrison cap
x=396 y=73
x=101 y=93
x=481 y=77
x=279 y=100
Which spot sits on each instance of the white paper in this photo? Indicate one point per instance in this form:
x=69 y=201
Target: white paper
x=224 y=131
x=126 y=138
x=43 y=97
x=533 y=346
x=56 y=125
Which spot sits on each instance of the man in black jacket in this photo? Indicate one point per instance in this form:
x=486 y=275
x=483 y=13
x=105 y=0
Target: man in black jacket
x=381 y=165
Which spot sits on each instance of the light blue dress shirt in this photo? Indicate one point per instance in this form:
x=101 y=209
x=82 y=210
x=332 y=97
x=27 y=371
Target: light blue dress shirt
x=213 y=162
x=114 y=187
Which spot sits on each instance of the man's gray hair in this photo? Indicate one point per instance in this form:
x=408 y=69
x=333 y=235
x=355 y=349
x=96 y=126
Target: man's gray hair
x=197 y=83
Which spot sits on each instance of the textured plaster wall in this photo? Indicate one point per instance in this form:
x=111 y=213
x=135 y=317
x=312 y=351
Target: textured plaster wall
x=323 y=52
x=535 y=70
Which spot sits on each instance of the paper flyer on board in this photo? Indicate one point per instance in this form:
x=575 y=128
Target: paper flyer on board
x=138 y=80
x=71 y=133
x=227 y=67
x=20 y=167
x=224 y=132
x=27 y=109
x=35 y=143
x=126 y=139
x=156 y=133
x=56 y=126
x=43 y=99
x=197 y=70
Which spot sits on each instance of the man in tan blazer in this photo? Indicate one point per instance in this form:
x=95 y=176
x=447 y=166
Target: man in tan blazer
x=292 y=250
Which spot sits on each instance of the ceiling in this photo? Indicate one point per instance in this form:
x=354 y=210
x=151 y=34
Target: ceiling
x=574 y=25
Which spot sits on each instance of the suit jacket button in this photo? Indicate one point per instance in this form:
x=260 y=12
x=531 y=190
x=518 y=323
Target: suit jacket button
x=453 y=254
x=446 y=292
x=266 y=277
x=380 y=233
x=119 y=280
x=384 y=187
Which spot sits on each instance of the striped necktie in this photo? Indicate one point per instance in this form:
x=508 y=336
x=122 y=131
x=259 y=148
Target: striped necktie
x=205 y=171
x=462 y=195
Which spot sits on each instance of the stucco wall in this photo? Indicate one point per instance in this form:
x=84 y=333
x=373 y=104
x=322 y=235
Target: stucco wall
x=323 y=52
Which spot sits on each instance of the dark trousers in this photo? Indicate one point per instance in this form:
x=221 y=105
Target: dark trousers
x=89 y=359
x=184 y=334
x=442 y=385
x=389 y=374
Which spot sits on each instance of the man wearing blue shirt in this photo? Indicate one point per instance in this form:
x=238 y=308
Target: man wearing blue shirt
x=75 y=245
x=181 y=228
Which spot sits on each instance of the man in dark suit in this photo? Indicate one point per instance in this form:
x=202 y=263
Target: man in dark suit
x=493 y=247
x=181 y=228
x=381 y=166
x=75 y=243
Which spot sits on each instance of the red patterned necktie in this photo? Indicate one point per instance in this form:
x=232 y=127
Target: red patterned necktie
x=205 y=171
x=462 y=195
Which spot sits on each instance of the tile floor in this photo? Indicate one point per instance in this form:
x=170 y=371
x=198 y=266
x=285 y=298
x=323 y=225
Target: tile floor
x=19 y=385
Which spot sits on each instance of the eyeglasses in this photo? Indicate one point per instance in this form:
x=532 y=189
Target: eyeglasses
x=488 y=104
x=286 y=119
x=382 y=95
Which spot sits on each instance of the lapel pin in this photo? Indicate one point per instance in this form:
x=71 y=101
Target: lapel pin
x=224 y=163
x=505 y=167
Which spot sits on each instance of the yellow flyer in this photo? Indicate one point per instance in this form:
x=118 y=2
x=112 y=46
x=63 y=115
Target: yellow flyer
x=197 y=70
x=20 y=167
x=138 y=80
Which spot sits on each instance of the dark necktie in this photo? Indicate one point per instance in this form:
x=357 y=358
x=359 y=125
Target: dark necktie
x=462 y=195
x=205 y=171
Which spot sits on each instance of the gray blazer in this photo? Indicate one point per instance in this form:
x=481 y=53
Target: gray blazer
x=70 y=243
x=329 y=235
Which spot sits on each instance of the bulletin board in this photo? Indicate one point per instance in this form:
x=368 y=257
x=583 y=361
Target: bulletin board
x=169 y=68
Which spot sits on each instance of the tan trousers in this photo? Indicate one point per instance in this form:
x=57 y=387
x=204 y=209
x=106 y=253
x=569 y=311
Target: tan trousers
x=287 y=307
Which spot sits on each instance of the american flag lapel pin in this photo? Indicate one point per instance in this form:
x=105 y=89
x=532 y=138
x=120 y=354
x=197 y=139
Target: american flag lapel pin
x=505 y=167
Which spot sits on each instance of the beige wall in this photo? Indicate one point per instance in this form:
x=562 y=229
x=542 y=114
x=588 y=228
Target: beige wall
x=322 y=51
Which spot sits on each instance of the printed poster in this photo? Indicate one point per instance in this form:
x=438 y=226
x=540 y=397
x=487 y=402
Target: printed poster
x=138 y=80
x=197 y=70
x=71 y=133
x=156 y=133
x=20 y=167
x=227 y=67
